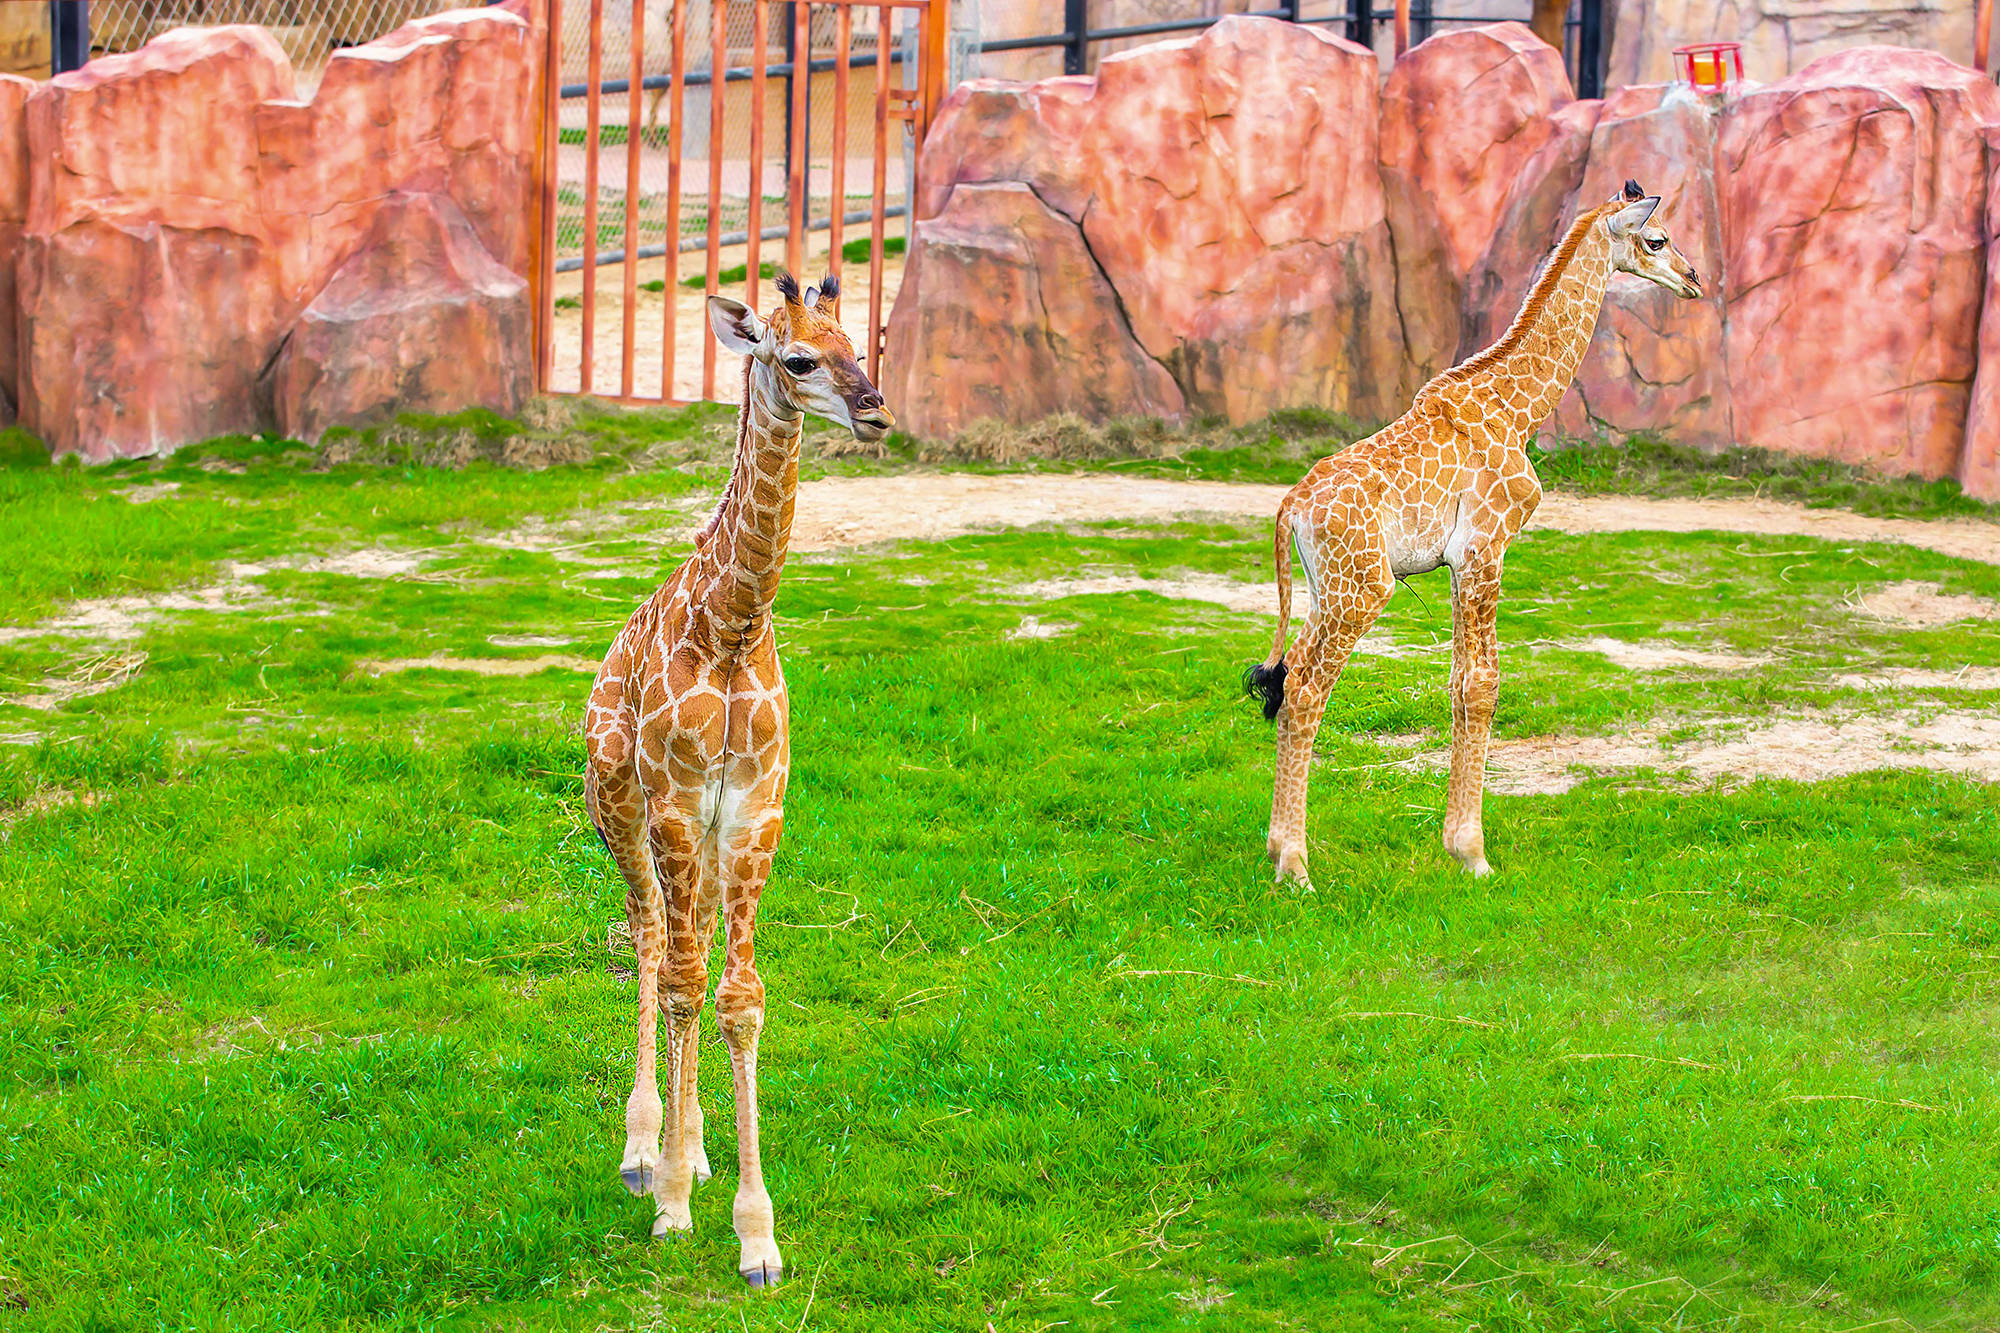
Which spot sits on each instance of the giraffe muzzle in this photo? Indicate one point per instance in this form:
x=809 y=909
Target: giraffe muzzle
x=871 y=417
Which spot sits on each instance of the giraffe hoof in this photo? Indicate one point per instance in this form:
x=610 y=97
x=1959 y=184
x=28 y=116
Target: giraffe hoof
x=673 y=1224
x=763 y=1275
x=638 y=1179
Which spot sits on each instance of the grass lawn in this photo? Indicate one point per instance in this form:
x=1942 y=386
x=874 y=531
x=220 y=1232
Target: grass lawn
x=311 y=1018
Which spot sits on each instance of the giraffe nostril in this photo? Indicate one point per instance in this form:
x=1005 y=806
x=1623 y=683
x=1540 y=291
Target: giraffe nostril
x=868 y=401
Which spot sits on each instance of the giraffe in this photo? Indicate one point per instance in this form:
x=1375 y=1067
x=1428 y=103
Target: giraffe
x=688 y=753
x=1447 y=483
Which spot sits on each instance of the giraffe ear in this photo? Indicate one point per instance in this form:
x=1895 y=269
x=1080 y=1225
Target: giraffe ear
x=1634 y=216
x=736 y=325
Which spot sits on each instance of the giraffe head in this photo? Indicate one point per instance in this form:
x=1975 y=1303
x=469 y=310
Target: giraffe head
x=809 y=356
x=1641 y=246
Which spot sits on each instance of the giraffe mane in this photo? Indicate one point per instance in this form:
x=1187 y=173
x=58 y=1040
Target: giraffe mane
x=1539 y=293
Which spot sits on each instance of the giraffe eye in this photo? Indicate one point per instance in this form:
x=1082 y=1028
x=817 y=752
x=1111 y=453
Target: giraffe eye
x=799 y=365
x=1656 y=243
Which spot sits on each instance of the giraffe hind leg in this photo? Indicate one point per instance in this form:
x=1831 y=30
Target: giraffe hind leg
x=617 y=806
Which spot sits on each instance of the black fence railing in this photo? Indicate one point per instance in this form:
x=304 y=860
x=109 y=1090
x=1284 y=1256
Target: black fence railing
x=1360 y=19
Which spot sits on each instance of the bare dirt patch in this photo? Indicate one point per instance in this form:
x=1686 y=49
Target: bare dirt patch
x=1967 y=677
x=837 y=512
x=109 y=619
x=46 y=801
x=97 y=675
x=114 y=618
x=530 y=640
x=1668 y=656
x=481 y=666
x=1924 y=605
x=148 y=492
x=1033 y=627
x=1807 y=748
x=1966 y=538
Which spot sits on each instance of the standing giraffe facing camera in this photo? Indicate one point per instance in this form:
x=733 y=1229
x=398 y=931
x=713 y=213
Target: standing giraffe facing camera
x=688 y=751
x=1447 y=483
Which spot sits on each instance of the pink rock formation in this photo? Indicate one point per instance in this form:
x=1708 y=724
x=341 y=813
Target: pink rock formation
x=13 y=215
x=184 y=210
x=1538 y=207
x=1979 y=466
x=1009 y=318
x=1225 y=186
x=1462 y=113
x=421 y=318
x=1852 y=196
x=1655 y=362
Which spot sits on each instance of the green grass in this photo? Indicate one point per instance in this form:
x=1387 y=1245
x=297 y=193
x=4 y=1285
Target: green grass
x=852 y=252
x=311 y=1021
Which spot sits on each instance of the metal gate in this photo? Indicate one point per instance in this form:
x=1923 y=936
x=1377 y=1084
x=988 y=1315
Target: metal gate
x=667 y=122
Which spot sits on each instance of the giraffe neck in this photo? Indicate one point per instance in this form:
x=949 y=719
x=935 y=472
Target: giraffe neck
x=748 y=536
x=1544 y=346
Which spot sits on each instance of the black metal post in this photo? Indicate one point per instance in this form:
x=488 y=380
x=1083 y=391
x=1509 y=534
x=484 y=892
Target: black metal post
x=1590 y=49
x=1076 y=23
x=1361 y=23
x=791 y=70
x=69 y=35
x=1289 y=10
x=1421 y=15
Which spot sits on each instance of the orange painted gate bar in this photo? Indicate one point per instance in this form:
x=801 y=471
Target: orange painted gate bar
x=665 y=122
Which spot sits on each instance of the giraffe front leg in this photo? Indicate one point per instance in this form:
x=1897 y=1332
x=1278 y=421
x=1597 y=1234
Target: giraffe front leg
x=684 y=978
x=1475 y=687
x=618 y=808
x=739 y=1012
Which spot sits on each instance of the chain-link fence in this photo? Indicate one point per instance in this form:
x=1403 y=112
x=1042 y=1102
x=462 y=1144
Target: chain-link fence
x=308 y=30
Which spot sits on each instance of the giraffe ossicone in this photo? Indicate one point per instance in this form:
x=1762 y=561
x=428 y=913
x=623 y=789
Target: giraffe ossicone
x=687 y=745
x=1449 y=483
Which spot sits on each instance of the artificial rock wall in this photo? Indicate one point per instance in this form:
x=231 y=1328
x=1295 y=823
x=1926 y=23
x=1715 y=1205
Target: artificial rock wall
x=1243 y=221
x=187 y=249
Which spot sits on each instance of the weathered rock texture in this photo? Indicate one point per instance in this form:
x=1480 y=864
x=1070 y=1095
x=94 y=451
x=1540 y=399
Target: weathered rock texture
x=1844 y=222
x=1461 y=114
x=183 y=210
x=1853 y=199
x=1654 y=362
x=392 y=330
x=1224 y=187
x=1980 y=468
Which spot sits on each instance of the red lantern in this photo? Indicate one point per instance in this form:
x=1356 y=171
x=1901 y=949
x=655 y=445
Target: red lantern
x=1710 y=67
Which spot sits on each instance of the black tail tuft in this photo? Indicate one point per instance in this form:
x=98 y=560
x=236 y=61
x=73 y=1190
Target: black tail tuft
x=1268 y=684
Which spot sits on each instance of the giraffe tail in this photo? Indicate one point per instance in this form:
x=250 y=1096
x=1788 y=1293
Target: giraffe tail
x=1266 y=679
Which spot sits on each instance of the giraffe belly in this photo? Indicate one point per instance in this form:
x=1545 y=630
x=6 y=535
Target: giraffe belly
x=1416 y=550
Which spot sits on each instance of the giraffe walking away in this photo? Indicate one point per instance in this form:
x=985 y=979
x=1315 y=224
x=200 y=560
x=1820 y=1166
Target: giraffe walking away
x=1447 y=483
x=688 y=752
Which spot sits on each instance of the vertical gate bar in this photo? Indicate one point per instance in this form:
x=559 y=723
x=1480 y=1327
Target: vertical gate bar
x=843 y=37
x=676 y=125
x=936 y=31
x=1401 y=16
x=69 y=35
x=1076 y=22
x=760 y=37
x=1361 y=23
x=593 y=145
x=632 y=126
x=718 y=71
x=1982 y=35
x=549 y=141
x=885 y=45
x=1590 y=49
x=796 y=183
